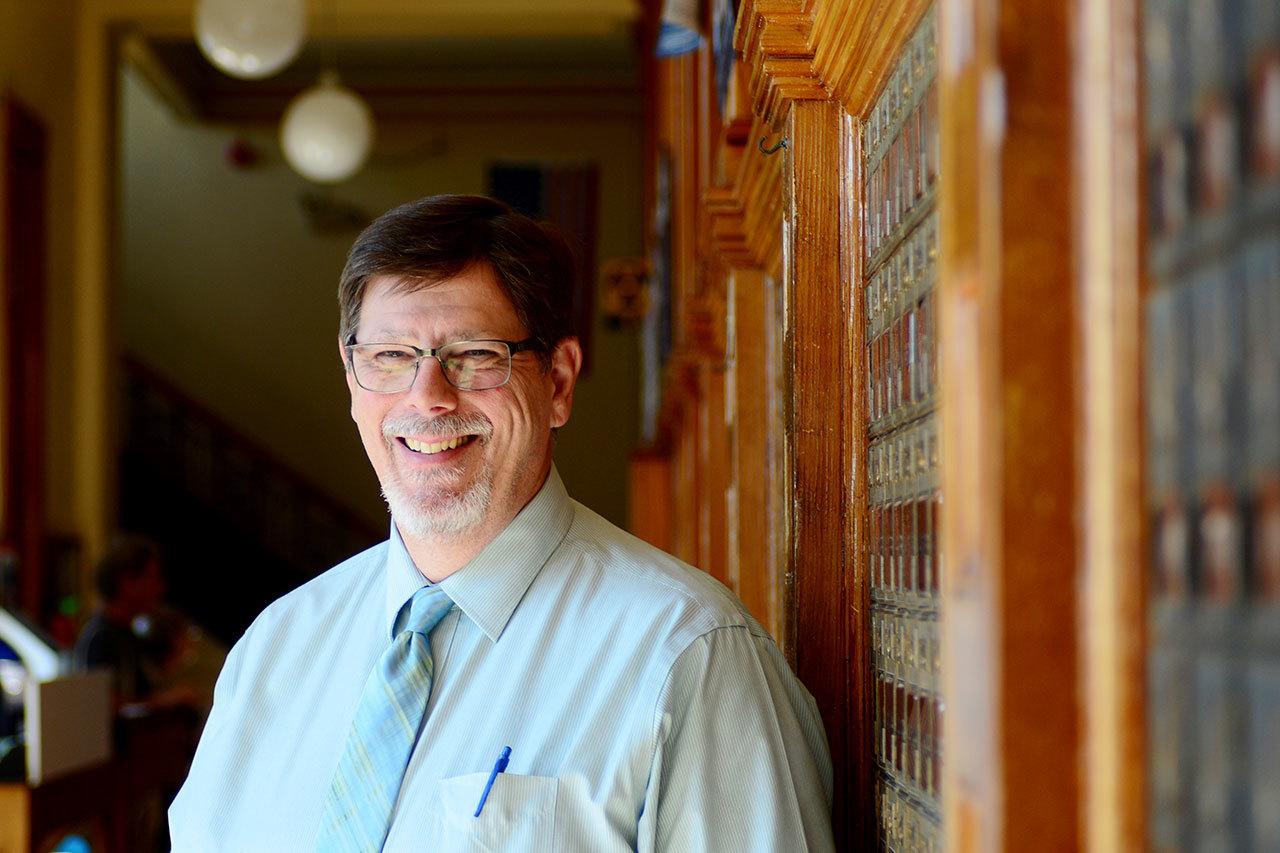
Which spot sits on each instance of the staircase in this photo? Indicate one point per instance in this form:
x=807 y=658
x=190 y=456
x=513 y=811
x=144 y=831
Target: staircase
x=238 y=526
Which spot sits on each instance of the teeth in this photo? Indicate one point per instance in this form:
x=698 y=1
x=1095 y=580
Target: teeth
x=434 y=447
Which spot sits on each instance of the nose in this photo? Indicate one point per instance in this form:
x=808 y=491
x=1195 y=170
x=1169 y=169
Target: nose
x=430 y=391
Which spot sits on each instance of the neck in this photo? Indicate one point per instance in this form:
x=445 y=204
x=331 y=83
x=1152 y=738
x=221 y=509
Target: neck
x=438 y=557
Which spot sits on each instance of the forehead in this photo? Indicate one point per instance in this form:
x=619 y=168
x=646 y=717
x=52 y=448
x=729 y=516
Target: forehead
x=471 y=303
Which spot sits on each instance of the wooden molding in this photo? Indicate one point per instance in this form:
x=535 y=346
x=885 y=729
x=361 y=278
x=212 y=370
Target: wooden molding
x=744 y=218
x=705 y=329
x=814 y=50
x=855 y=45
x=773 y=37
x=729 y=236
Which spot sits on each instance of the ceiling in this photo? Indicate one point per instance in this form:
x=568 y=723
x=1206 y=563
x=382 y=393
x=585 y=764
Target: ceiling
x=430 y=75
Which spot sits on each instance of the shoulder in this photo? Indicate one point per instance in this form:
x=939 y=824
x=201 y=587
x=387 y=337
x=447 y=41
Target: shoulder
x=627 y=572
x=320 y=597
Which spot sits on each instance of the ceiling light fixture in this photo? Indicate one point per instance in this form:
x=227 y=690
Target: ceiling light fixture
x=250 y=39
x=327 y=131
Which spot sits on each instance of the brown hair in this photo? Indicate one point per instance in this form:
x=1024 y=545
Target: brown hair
x=435 y=238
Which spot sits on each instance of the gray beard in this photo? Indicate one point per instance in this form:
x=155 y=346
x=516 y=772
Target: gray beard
x=441 y=517
x=444 y=514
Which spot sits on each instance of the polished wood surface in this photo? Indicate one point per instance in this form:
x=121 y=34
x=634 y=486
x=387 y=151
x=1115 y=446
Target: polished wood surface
x=860 y=753
x=649 y=497
x=1039 y=351
x=1010 y=410
x=819 y=386
x=750 y=450
x=1109 y=224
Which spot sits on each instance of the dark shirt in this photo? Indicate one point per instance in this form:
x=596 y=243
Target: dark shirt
x=104 y=643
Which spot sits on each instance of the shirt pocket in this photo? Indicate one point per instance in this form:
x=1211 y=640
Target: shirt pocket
x=519 y=813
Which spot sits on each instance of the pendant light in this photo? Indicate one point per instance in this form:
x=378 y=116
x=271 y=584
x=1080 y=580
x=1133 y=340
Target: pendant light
x=327 y=131
x=250 y=39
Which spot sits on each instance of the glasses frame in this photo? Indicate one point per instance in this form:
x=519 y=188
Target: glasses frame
x=513 y=348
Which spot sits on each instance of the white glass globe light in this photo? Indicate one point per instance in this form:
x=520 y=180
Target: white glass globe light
x=251 y=38
x=327 y=132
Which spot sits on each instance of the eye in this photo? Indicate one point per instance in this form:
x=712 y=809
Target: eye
x=388 y=357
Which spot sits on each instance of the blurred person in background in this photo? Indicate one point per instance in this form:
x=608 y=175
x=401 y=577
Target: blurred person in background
x=120 y=635
x=149 y=649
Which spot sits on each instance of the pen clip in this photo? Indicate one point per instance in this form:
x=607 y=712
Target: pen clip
x=499 y=766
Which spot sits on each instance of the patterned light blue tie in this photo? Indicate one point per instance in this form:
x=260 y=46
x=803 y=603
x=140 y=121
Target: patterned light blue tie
x=357 y=812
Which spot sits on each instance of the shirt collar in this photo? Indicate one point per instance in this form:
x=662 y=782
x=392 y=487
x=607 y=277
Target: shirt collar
x=490 y=586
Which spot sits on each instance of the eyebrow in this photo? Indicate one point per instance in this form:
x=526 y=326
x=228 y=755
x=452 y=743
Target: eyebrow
x=386 y=336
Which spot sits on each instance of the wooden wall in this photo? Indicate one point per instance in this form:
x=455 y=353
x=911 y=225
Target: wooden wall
x=770 y=398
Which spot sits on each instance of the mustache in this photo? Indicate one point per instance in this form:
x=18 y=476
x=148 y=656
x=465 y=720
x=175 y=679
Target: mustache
x=444 y=426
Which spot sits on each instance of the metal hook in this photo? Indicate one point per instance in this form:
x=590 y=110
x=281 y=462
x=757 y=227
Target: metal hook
x=781 y=143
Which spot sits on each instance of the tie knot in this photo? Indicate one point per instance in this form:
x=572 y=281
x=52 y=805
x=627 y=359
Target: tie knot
x=427 y=607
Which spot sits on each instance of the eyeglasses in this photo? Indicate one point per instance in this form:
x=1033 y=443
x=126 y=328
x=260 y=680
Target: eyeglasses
x=467 y=365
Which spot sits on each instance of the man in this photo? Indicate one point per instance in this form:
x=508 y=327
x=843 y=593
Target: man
x=130 y=580
x=508 y=671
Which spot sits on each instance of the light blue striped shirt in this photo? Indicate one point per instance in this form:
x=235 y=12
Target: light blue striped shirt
x=645 y=709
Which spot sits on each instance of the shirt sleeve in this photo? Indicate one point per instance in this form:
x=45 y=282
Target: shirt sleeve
x=741 y=761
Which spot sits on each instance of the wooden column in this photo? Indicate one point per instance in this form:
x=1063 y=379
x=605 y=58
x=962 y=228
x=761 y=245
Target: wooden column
x=816 y=334
x=744 y=221
x=750 y=445
x=860 y=751
x=1107 y=222
x=1009 y=410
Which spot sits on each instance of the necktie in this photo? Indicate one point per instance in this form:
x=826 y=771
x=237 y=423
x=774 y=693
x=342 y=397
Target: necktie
x=357 y=812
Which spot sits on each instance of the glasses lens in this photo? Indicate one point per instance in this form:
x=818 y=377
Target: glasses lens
x=476 y=365
x=384 y=368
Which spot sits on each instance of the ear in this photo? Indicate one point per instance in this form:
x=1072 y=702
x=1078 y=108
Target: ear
x=566 y=361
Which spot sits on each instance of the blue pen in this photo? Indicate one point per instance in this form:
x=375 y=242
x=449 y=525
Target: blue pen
x=498 y=767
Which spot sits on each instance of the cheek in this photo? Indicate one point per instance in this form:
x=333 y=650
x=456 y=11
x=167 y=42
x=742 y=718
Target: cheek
x=368 y=420
x=523 y=414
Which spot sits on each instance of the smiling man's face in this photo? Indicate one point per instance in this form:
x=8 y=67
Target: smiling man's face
x=454 y=462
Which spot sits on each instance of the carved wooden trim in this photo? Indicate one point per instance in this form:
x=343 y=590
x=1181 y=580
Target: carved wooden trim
x=815 y=50
x=773 y=37
x=744 y=218
x=729 y=236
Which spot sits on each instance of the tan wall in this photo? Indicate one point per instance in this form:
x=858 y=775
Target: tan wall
x=36 y=44
x=225 y=290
